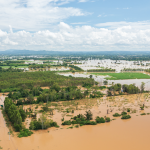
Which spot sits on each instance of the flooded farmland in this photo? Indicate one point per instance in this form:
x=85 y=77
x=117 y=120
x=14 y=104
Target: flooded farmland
x=116 y=134
x=101 y=78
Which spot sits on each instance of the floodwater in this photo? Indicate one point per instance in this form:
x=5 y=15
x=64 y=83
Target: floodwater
x=100 y=80
x=117 y=135
x=131 y=81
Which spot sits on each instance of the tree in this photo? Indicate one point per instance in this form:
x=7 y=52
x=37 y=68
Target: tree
x=30 y=98
x=142 y=87
x=105 y=82
x=91 y=76
x=23 y=114
x=89 y=115
x=43 y=119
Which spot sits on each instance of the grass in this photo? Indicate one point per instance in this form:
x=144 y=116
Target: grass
x=124 y=75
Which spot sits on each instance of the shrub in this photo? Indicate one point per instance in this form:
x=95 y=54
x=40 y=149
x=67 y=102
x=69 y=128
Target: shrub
x=79 y=116
x=54 y=124
x=66 y=122
x=35 y=125
x=74 y=122
x=124 y=113
x=116 y=115
x=93 y=123
x=142 y=108
x=25 y=133
x=102 y=87
x=17 y=127
x=100 y=120
x=126 y=117
x=70 y=127
x=77 y=126
x=107 y=119
x=143 y=114
x=128 y=109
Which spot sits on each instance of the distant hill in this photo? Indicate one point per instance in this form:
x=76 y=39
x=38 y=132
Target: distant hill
x=69 y=53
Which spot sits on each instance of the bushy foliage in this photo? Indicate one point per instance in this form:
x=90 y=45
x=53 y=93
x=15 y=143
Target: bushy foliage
x=116 y=115
x=13 y=114
x=39 y=78
x=96 y=94
x=116 y=87
x=100 y=119
x=131 y=89
x=107 y=119
x=128 y=109
x=23 y=114
x=68 y=122
x=102 y=87
x=126 y=117
x=124 y=113
x=88 y=115
x=25 y=133
x=80 y=119
x=142 y=107
x=76 y=68
x=87 y=85
x=143 y=114
x=37 y=124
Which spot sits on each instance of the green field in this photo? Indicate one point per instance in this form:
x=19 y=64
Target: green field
x=6 y=67
x=122 y=76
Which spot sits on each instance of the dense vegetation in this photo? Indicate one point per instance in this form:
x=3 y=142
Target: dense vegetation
x=42 y=123
x=55 y=93
x=126 y=117
x=10 y=69
x=120 y=89
x=15 y=115
x=37 y=66
x=30 y=79
x=147 y=70
x=75 y=68
x=86 y=119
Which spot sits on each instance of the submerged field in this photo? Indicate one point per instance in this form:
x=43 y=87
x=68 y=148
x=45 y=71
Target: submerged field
x=88 y=136
x=124 y=75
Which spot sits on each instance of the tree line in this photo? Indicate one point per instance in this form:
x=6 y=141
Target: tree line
x=101 y=70
x=15 y=115
x=130 y=89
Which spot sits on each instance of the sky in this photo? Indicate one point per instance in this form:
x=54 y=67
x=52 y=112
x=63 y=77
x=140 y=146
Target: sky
x=75 y=25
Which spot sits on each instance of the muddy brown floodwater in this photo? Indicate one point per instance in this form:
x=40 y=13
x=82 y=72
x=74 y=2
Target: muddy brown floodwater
x=131 y=134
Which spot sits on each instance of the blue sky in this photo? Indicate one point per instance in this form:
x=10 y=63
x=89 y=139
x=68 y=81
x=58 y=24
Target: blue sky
x=102 y=11
x=83 y=25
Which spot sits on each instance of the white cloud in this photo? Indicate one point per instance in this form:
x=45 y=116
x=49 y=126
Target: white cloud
x=34 y=15
x=66 y=37
x=136 y=25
